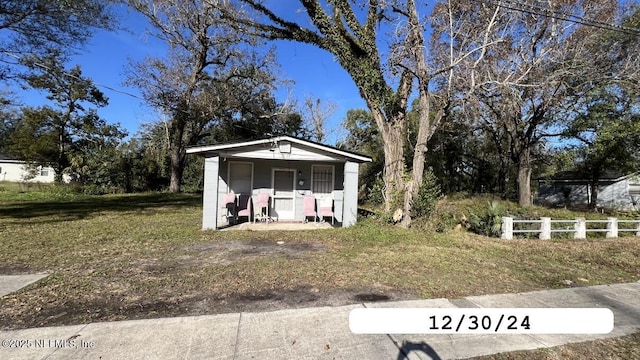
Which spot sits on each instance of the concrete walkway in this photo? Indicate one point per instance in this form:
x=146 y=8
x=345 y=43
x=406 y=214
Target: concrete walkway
x=11 y=283
x=313 y=333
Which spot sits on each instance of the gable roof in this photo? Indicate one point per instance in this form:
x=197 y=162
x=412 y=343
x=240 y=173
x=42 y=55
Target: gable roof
x=254 y=149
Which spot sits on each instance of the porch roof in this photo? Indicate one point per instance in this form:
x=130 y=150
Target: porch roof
x=282 y=148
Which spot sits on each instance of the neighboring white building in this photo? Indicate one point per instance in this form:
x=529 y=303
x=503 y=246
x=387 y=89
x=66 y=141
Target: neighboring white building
x=16 y=170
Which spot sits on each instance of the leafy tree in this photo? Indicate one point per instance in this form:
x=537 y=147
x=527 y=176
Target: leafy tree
x=9 y=115
x=36 y=27
x=609 y=131
x=51 y=135
x=363 y=137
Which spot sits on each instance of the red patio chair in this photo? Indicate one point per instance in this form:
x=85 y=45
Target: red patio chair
x=309 y=207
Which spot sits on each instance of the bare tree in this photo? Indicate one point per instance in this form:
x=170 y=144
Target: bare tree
x=316 y=114
x=385 y=77
x=192 y=81
x=543 y=64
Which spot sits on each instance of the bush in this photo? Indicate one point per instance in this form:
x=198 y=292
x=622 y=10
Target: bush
x=375 y=194
x=428 y=194
x=489 y=223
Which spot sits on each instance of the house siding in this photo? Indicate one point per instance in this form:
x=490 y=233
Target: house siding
x=283 y=153
x=262 y=181
x=612 y=196
x=15 y=171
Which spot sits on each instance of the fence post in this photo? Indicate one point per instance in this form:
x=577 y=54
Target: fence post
x=507 y=228
x=612 y=227
x=581 y=229
x=545 y=228
x=638 y=228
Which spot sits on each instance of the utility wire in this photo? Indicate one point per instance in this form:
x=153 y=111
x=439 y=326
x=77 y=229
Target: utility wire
x=537 y=10
x=65 y=73
x=43 y=66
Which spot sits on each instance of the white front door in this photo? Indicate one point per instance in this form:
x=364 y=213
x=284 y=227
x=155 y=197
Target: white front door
x=283 y=182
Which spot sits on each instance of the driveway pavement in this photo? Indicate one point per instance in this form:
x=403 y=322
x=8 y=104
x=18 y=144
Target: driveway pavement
x=312 y=333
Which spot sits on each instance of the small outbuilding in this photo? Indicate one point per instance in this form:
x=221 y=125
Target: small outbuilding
x=281 y=178
x=617 y=191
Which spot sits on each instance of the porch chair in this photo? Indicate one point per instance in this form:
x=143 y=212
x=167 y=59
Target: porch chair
x=244 y=206
x=325 y=207
x=229 y=205
x=262 y=208
x=309 y=207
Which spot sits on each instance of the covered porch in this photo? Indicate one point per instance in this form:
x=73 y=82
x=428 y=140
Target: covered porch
x=278 y=180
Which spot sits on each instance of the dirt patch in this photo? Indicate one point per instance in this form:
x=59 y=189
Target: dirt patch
x=115 y=308
x=231 y=251
x=15 y=269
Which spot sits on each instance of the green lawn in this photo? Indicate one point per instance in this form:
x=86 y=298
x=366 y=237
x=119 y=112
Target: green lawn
x=140 y=256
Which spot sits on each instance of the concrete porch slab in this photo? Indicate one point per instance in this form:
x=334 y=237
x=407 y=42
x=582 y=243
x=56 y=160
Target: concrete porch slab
x=278 y=226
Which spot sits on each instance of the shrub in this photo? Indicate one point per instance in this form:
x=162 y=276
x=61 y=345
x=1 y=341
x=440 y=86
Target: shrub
x=428 y=194
x=375 y=194
x=489 y=223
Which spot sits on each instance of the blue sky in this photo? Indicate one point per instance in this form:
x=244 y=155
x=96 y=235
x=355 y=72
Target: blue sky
x=313 y=71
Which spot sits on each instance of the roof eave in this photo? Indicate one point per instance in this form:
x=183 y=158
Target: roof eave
x=213 y=149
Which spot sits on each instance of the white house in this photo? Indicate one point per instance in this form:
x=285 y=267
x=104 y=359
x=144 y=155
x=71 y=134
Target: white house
x=283 y=178
x=15 y=170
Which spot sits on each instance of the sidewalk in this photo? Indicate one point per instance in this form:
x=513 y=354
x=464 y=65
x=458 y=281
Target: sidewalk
x=314 y=333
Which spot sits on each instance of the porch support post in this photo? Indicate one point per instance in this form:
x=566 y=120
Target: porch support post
x=210 y=196
x=350 y=203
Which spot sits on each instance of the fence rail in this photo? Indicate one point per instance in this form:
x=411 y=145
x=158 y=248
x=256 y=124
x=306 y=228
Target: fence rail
x=579 y=229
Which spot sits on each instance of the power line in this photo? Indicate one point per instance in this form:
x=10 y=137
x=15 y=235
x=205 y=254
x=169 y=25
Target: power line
x=537 y=10
x=71 y=76
x=64 y=73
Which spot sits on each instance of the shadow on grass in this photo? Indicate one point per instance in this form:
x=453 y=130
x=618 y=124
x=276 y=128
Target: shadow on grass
x=81 y=208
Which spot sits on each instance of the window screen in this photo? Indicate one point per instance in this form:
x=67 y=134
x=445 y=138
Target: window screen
x=322 y=179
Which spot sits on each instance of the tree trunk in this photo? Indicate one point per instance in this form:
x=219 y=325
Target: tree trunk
x=524 y=178
x=393 y=140
x=425 y=131
x=593 y=201
x=425 y=126
x=393 y=145
x=177 y=155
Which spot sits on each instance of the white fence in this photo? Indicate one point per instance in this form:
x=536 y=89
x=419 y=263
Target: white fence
x=578 y=227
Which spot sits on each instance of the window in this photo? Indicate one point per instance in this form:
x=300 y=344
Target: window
x=44 y=171
x=322 y=179
x=240 y=177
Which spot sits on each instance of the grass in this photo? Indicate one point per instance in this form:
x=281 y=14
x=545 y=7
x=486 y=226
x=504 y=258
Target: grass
x=141 y=256
x=621 y=348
